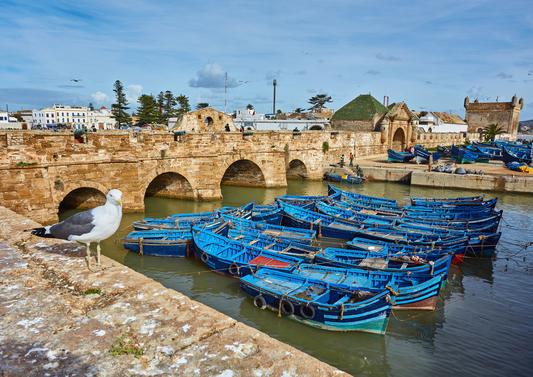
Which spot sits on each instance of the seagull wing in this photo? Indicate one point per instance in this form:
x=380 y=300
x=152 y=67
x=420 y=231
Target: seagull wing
x=75 y=225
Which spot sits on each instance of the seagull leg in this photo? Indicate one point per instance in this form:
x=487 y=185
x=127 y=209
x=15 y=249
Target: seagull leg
x=88 y=257
x=98 y=254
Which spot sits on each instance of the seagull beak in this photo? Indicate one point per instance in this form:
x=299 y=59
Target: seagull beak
x=119 y=202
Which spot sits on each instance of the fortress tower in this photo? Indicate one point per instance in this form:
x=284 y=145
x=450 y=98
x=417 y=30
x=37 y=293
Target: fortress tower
x=505 y=114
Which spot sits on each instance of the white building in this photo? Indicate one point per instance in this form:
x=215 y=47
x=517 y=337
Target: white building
x=75 y=117
x=248 y=120
x=436 y=122
x=101 y=119
x=9 y=123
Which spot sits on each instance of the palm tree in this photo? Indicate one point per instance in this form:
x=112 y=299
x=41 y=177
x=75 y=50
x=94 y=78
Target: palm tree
x=492 y=130
x=299 y=110
x=249 y=107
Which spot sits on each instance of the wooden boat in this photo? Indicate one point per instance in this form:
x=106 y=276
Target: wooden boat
x=318 y=304
x=324 y=225
x=424 y=155
x=167 y=243
x=390 y=247
x=357 y=217
x=430 y=263
x=254 y=237
x=463 y=156
x=493 y=152
x=469 y=200
x=185 y=221
x=345 y=178
x=516 y=156
x=335 y=193
x=227 y=256
x=396 y=156
x=301 y=235
x=416 y=292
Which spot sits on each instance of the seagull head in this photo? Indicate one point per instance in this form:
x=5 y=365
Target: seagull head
x=114 y=196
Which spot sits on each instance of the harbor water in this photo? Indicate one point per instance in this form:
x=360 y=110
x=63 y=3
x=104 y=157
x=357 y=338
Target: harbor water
x=483 y=324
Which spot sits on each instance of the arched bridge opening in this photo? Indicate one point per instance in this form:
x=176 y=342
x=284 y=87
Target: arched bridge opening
x=296 y=170
x=244 y=173
x=170 y=185
x=82 y=198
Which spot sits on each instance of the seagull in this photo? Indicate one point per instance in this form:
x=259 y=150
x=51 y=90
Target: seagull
x=94 y=225
x=75 y=80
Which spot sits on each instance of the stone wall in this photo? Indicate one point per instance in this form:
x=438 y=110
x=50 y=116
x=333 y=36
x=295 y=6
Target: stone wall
x=205 y=120
x=39 y=169
x=504 y=114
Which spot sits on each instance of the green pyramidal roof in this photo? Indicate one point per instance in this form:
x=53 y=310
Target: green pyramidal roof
x=361 y=108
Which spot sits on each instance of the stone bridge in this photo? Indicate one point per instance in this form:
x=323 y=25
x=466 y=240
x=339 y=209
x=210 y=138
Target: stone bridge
x=41 y=172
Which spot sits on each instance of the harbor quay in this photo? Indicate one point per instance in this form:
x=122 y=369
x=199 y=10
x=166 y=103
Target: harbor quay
x=59 y=319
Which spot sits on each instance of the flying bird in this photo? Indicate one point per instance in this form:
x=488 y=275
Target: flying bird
x=75 y=80
x=94 y=225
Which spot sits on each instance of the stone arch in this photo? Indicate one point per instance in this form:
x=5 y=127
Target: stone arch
x=296 y=169
x=82 y=197
x=243 y=173
x=208 y=121
x=398 y=139
x=169 y=184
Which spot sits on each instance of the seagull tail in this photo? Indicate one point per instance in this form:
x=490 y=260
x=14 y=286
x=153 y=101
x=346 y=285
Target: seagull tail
x=41 y=232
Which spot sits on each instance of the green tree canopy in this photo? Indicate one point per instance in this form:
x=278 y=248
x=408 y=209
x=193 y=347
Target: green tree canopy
x=160 y=105
x=147 y=110
x=118 y=109
x=249 y=107
x=202 y=105
x=299 y=110
x=491 y=131
x=183 y=102
x=317 y=102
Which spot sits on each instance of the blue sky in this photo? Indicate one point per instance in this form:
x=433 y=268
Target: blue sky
x=430 y=54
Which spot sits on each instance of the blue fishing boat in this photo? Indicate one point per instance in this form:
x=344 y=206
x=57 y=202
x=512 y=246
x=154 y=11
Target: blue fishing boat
x=469 y=200
x=345 y=178
x=356 y=217
x=256 y=238
x=420 y=263
x=335 y=194
x=516 y=156
x=324 y=225
x=167 y=243
x=416 y=292
x=463 y=156
x=423 y=155
x=301 y=235
x=318 y=304
x=396 y=156
x=390 y=247
x=227 y=256
x=177 y=221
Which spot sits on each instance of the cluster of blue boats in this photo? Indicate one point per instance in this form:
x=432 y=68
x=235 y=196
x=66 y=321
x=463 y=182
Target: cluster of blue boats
x=380 y=256
x=506 y=151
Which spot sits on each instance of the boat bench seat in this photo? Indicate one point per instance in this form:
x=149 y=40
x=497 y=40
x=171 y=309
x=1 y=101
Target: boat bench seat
x=379 y=263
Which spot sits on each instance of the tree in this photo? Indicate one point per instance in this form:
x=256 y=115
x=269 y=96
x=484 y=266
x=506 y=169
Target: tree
x=147 y=110
x=168 y=107
x=299 y=110
x=183 y=101
x=202 y=105
x=160 y=105
x=319 y=101
x=249 y=107
x=118 y=109
x=91 y=107
x=491 y=131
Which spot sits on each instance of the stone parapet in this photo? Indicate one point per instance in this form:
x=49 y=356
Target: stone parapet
x=58 y=318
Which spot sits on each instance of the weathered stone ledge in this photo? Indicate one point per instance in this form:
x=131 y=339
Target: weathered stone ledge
x=52 y=325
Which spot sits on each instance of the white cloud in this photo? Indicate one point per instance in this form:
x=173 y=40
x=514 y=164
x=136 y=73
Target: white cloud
x=133 y=92
x=100 y=97
x=212 y=75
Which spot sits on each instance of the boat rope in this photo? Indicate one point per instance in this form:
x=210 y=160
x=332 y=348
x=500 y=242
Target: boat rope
x=140 y=246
